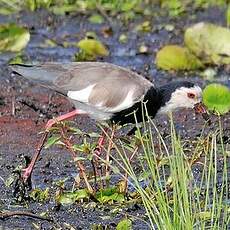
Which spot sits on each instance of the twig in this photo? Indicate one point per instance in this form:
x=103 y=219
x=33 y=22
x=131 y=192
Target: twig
x=8 y=214
x=79 y=164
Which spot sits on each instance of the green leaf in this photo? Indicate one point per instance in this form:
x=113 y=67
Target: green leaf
x=96 y=19
x=173 y=57
x=40 y=195
x=10 y=180
x=93 y=47
x=52 y=141
x=13 y=38
x=67 y=198
x=125 y=224
x=217 y=98
x=209 y=42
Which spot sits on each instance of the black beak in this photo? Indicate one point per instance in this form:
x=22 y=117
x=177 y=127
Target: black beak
x=200 y=108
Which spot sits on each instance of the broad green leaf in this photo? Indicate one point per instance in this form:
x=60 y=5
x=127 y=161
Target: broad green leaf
x=209 y=42
x=93 y=47
x=13 y=38
x=217 y=98
x=173 y=57
x=125 y=224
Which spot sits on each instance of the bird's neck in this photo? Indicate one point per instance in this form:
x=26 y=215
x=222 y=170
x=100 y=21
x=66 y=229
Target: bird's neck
x=153 y=99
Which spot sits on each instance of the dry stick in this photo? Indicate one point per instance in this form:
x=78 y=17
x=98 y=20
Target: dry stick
x=7 y=214
x=107 y=168
x=79 y=164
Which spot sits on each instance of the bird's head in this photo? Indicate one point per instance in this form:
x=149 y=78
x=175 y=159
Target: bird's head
x=182 y=94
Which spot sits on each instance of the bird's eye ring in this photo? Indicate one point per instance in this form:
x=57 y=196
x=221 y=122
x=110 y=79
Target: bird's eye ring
x=191 y=95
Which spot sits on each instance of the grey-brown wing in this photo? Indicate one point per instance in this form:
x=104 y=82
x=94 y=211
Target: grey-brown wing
x=102 y=85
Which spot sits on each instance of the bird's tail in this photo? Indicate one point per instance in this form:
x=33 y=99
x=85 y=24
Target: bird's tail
x=37 y=73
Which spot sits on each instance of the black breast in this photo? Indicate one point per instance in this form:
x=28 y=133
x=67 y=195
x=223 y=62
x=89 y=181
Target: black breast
x=152 y=103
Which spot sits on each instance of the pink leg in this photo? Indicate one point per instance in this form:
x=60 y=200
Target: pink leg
x=28 y=171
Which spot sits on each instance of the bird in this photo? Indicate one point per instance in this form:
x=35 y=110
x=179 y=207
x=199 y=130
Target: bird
x=107 y=92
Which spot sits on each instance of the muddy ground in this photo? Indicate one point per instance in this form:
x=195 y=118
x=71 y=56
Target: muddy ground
x=20 y=123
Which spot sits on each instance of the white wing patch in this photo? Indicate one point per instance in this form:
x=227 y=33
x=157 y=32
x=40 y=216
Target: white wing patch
x=84 y=94
x=81 y=95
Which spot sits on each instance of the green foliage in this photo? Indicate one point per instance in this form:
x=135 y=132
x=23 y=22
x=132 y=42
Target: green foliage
x=39 y=195
x=173 y=57
x=175 y=7
x=90 y=49
x=228 y=16
x=70 y=197
x=110 y=195
x=204 y=40
x=125 y=224
x=217 y=98
x=13 y=38
x=96 y=19
x=174 y=197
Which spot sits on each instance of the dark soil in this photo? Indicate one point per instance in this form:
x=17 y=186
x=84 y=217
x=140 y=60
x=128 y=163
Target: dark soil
x=24 y=108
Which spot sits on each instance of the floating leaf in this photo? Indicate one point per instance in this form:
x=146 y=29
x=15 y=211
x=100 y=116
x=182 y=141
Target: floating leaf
x=13 y=38
x=209 y=42
x=173 y=57
x=217 y=98
x=96 y=18
x=125 y=224
x=93 y=47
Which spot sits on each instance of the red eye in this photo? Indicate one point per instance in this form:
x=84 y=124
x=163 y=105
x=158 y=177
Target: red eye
x=191 y=95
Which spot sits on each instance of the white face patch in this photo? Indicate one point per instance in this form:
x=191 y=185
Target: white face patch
x=81 y=95
x=180 y=99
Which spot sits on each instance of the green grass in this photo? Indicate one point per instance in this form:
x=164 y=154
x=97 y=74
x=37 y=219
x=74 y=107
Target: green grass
x=174 y=196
